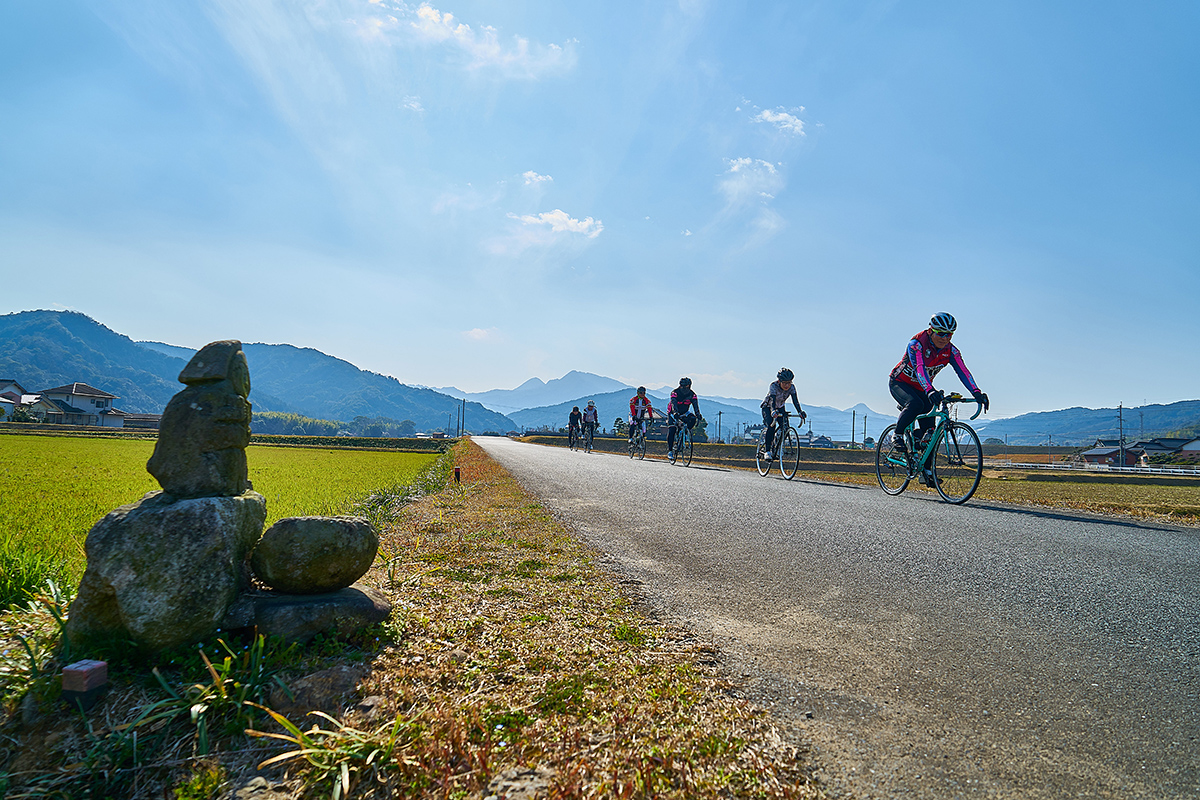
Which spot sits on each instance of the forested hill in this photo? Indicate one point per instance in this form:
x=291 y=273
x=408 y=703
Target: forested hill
x=1083 y=426
x=44 y=349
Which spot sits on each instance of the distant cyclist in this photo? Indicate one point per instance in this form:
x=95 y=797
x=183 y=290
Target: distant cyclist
x=911 y=381
x=640 y=411
x=772 y=407
x=680 y=408
x=591 y=418
x=574 y=423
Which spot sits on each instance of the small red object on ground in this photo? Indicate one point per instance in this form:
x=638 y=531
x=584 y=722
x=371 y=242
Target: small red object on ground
x=456 y=476
x=84 y=682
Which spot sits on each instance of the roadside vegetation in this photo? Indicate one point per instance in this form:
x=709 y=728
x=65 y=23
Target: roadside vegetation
x=511 y=653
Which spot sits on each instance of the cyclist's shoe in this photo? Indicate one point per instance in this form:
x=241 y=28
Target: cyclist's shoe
x=671 y=456
x=898 y=443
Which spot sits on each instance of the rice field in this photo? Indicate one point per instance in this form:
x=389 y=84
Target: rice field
x=54 y=488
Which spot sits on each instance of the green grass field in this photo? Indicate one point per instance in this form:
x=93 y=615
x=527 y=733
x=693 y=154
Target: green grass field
x=53 y=489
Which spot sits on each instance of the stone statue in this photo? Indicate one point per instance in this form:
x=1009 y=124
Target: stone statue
x=201 y=448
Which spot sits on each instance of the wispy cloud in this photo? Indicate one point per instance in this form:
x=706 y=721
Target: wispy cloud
x=749 y=186
x=413 y=103
x=560 y=221
x=480 y=48
x=788 y=123
x=468 y=198
x=550 y=229
x=750 y=180
x=482 y=335
x=532 y=178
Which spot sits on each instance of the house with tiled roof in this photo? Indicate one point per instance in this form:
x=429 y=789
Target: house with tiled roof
x=81 y=404
x=12 y=391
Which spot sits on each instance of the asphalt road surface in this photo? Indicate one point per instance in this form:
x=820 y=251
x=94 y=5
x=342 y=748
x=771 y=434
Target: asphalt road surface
x=920 y=649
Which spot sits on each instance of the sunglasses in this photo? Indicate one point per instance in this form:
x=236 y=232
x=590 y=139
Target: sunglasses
x=944 y=334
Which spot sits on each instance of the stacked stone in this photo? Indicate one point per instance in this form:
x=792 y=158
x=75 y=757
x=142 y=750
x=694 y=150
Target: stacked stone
x=174 y=567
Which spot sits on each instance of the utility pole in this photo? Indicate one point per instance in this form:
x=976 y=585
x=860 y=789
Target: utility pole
x=1049 y=445
x=864 y=430
x=719 y=413
x=853 y=424
x=464 y=417
x=1121 y=422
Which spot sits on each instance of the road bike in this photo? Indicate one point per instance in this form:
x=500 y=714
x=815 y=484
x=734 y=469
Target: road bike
x=637 y=442
x=951 y=461
x=574 y=437
x=683 y=443
x=785 y=449
x=589 y=433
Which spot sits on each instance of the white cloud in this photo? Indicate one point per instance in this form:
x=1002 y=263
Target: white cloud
x=482 y=47
x=750 y=180
x=560 y=222
x=532 y=178
x=414 y=104
x=482 y=334
x=788 y=123
x=686 y=232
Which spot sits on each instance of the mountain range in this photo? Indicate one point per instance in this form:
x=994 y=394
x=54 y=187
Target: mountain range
x=42 y=349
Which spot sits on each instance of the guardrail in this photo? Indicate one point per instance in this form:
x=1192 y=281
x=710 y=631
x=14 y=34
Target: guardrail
x=1094 y=468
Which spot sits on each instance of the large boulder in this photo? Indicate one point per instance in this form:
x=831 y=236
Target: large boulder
x=315 y=555
x=298 y=618
x=162 y=573
x=202 y=438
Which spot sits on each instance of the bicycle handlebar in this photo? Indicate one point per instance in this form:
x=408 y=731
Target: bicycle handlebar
x=958 y=398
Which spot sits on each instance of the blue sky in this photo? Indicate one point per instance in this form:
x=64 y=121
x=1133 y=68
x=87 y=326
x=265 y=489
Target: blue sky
x=474 y=193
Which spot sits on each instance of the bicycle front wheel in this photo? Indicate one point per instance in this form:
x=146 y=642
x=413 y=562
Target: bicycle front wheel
x=641 y=446
x=789 y=453
x=572 y=440
x=957 y=463
x=891 y=468
x=587 y=442
x=683 y=455
x=760 y=460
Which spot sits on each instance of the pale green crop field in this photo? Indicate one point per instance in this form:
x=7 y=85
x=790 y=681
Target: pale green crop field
x=54 y=488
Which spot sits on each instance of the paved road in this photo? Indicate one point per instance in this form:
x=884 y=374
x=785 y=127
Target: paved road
x=924 y=650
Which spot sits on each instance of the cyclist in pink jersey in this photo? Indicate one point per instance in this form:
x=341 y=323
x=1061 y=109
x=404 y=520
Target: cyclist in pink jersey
x=911 y=381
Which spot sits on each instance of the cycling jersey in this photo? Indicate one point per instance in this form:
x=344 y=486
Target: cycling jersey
x=574 y=419
x=639 y=407
x=591 y=415
x=777 y=398
x=681 y=399
x=922 y=362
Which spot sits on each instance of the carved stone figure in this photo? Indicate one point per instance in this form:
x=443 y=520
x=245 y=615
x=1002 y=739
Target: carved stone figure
x=201 y=448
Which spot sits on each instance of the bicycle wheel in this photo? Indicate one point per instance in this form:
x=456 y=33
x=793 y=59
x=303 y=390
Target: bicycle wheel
x=760 y=460
x=683 y=453
x=789 y=453
x=587 y=441
x=641 y=446
x=957 y=463
x=891 y=468
x=572 y=439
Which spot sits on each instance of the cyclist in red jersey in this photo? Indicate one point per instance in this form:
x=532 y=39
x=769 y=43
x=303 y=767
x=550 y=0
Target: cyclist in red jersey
x=911 y=381
x=640 y=411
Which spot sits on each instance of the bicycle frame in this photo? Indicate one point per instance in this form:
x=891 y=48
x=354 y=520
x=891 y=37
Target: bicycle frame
x=942 y=416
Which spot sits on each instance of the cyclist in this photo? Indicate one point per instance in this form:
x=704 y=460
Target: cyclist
x=574 y=423
x=911 y=381
x=773 y=405
x=591 y=418
x=679 y=409
x=640 y=411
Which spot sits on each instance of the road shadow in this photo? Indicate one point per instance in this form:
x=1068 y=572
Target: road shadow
x=1094 y=519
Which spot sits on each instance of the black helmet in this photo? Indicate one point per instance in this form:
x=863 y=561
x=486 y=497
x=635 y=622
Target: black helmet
x=942 y=323
x=685 y=382
x=785 y=374
x=641 y=390
x=576 y=408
